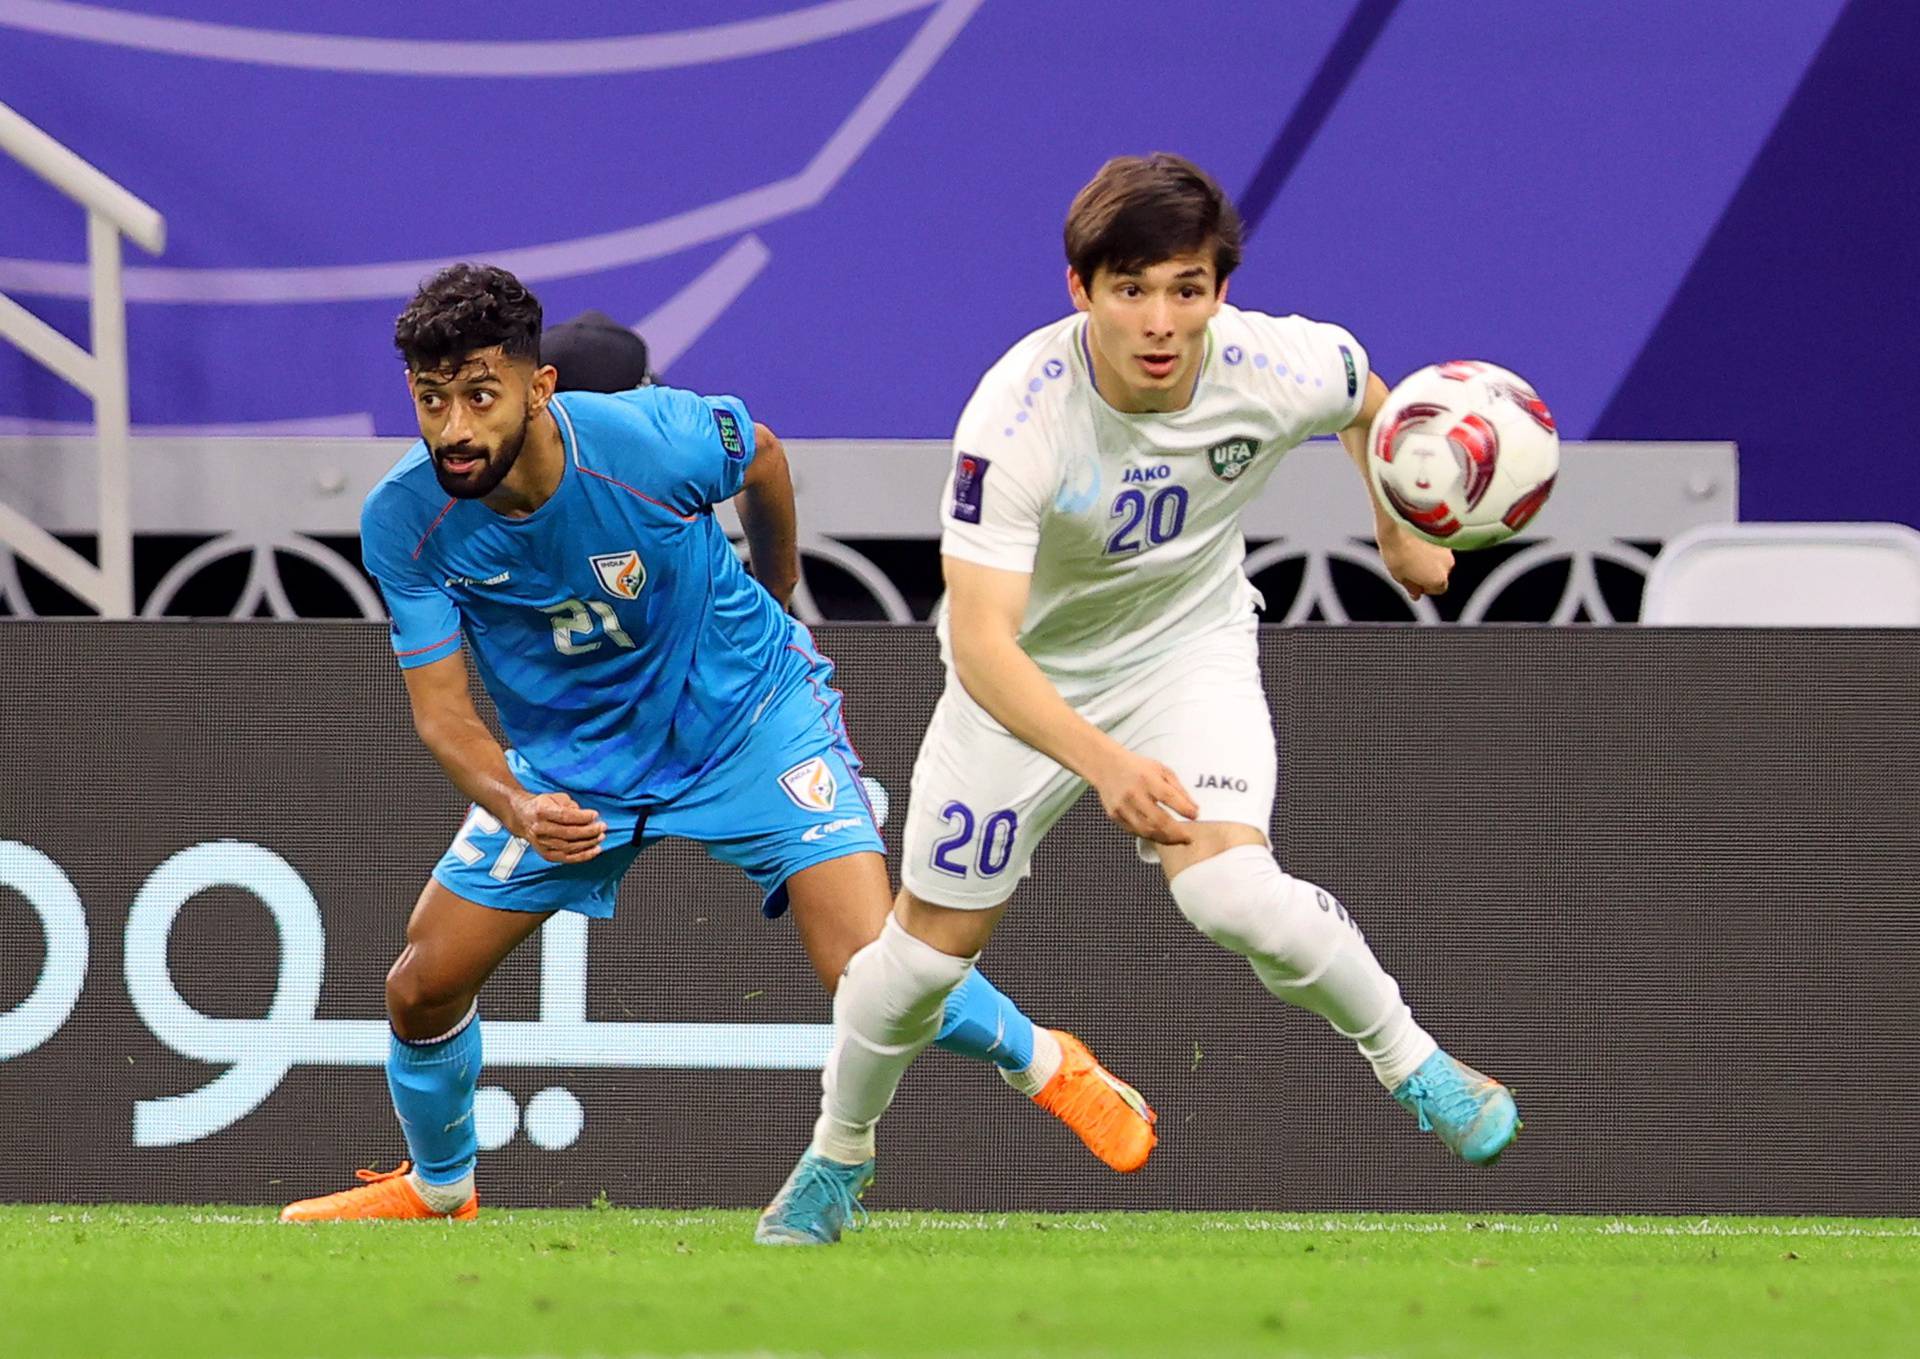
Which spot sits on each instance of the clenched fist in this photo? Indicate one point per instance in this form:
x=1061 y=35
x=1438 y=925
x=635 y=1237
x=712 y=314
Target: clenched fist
x=1419 y=566
x=559 y=829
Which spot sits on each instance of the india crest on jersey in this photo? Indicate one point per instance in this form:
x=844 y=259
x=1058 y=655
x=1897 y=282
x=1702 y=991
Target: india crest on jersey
x=621 y=573
x=811 y=785
x=1231 y=457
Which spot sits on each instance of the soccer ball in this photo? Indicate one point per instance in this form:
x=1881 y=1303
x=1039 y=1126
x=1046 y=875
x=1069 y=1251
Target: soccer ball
x=1463 y=454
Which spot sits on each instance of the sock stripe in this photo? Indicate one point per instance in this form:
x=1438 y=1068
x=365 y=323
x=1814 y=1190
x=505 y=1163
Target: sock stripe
x=473 y=1013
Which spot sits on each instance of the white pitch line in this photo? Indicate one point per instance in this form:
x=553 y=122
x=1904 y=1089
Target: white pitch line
x=988 y=1222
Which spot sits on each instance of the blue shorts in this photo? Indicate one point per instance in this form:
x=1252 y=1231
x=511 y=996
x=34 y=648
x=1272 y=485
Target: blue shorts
x=790 y=797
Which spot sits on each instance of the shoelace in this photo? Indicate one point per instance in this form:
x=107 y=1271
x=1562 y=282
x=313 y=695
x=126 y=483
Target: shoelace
x=377 y=1176
x=1449 y=1097
x=820 y=1184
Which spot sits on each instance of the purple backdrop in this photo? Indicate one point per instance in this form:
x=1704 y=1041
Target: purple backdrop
x=1681 y=218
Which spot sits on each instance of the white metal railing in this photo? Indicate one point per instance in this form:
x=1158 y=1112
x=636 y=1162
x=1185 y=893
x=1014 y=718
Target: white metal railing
x=100 y=371
x=272 y=497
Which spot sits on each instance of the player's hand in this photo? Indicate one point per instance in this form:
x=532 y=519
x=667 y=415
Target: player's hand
x=1420 y=567
x=560 y=830
x=1137 y=793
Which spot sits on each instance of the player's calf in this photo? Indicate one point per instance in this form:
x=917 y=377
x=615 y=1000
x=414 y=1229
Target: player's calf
x=886 y=1009
x=1306 y=950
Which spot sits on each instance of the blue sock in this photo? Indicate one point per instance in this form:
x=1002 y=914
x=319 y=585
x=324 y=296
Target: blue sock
x=432 y=1086
x=983 y=1024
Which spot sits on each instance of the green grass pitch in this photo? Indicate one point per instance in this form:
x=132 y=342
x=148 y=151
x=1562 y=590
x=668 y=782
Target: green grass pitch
x=612 y=1282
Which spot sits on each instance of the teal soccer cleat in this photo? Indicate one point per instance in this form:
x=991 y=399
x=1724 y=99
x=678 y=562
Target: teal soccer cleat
x=820 y=1199
x=1471 y=1112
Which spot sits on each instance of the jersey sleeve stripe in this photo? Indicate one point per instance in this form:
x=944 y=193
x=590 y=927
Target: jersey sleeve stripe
x=451 y=501
x=423 y=650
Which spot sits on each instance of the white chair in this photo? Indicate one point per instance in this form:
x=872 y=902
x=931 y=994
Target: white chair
x=1794 y=575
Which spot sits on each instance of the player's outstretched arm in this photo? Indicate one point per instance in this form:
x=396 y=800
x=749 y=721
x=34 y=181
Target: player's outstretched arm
x=555 y=826
x=767 y=515
x=1420 y=567
x=984 y=608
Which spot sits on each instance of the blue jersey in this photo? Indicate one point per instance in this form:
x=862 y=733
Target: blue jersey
x=623 y=644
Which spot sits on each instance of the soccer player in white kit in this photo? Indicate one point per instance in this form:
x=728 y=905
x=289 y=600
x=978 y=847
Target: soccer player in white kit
x=1099 y=631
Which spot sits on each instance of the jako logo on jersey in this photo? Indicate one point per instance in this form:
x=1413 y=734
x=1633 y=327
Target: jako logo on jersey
x=1221 y=781
x=811 y=785
x=1231 y=457
x=822 y=832
x=969 y=476
x=1160 y=473
x=622 y=574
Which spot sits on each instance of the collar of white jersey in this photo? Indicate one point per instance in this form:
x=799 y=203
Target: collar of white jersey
x=1084 y=351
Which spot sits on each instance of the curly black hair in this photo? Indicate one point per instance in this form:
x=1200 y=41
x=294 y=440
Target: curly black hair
x=463 y=308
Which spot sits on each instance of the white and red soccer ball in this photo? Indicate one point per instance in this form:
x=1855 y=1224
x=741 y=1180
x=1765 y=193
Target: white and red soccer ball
x=1463 y=453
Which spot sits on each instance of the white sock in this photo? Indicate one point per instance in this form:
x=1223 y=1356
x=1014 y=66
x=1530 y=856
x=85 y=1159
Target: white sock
x=442 y=1198
x=1032 y=1078
x=1305 y=950
x=887 y=1008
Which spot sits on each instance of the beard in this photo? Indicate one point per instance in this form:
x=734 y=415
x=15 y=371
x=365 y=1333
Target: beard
x=484 y=479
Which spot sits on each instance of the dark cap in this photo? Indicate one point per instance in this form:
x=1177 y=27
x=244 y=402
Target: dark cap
x=595 y=353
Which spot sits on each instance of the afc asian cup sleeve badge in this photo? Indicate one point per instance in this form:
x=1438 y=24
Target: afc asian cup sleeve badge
x=811 y=785
x=622 y=574
x=969 y=481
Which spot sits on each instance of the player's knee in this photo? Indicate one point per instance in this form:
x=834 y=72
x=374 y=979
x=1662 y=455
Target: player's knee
x=419 y=996
x=898 y=984
x=1242 y=900
x=1232 y=897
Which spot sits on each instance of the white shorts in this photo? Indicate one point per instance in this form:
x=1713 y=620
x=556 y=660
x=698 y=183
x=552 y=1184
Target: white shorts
x=983 y=799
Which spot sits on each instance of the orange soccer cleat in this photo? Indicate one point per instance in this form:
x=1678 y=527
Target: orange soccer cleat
x=383 y=1195
x=1104 y=1111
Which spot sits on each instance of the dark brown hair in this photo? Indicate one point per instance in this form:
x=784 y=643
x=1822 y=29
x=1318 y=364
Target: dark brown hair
x=464 y=308
x=1140 y=210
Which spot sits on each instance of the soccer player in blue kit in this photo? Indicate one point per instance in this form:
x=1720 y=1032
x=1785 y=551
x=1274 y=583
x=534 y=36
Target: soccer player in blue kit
x=650 y=688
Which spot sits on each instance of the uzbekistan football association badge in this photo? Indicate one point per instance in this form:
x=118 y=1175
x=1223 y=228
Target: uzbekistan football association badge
x=1231 y=457
x=621 y=573
x=811 y=784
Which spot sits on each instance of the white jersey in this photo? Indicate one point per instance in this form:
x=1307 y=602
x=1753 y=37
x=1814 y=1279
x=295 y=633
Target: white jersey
x=1129 y=524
